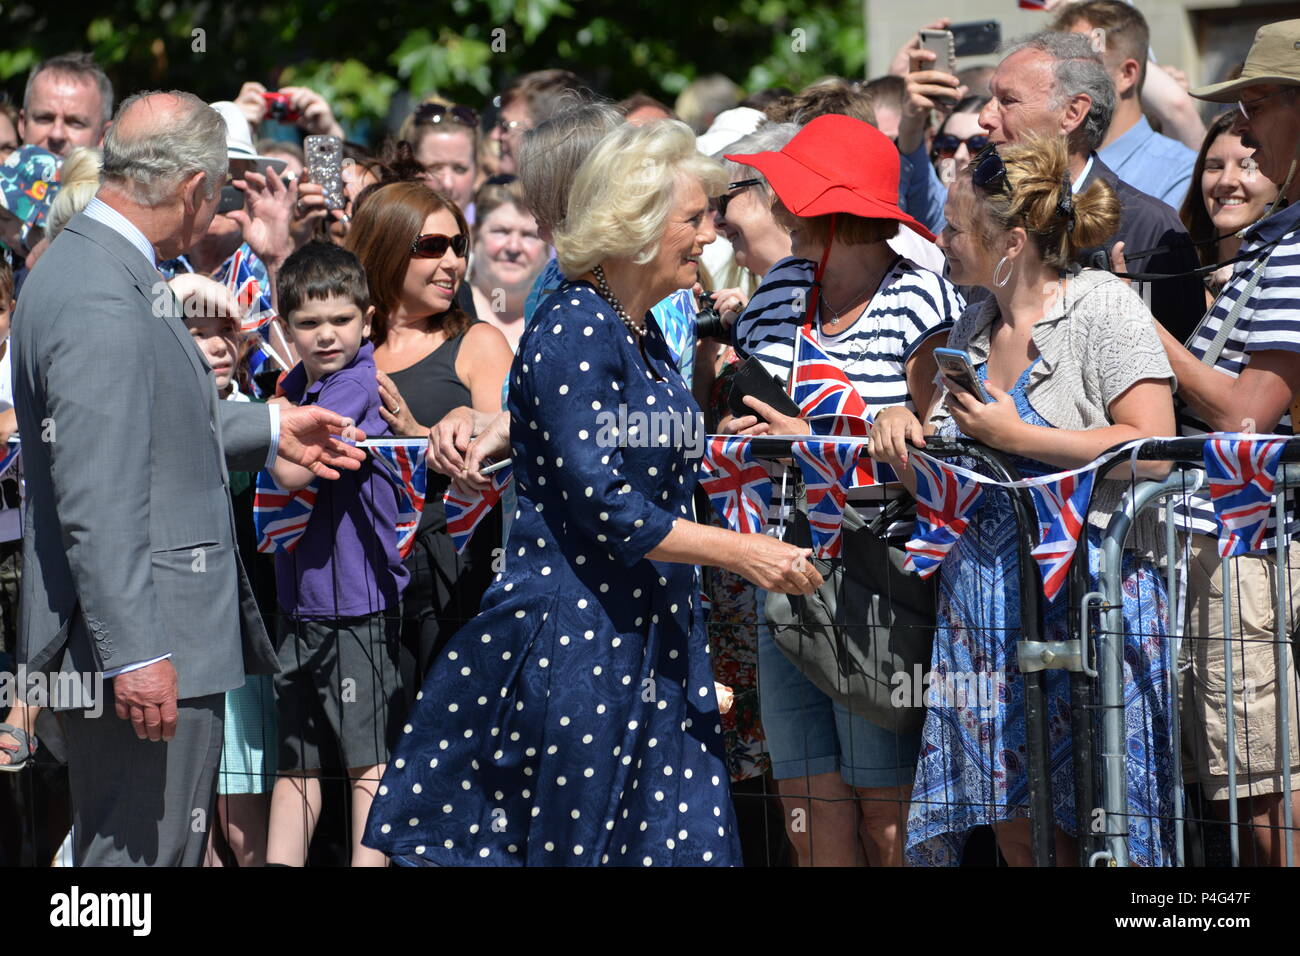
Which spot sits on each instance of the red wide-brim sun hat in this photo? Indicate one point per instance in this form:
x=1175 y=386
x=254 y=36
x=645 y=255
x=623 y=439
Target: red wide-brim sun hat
x=835 y=164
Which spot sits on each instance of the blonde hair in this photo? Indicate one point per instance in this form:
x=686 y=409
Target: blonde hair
x=623 y=193
x=1038 y=181
x=78 y=182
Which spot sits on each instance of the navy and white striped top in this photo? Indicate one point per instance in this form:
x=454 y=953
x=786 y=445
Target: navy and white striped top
x=911 y=304
x=1269 y=322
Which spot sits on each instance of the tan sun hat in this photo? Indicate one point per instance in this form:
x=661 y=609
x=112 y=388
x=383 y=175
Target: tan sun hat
x=1274 y=57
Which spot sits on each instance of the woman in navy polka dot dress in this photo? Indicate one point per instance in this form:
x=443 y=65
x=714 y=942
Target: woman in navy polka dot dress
x=574 y=721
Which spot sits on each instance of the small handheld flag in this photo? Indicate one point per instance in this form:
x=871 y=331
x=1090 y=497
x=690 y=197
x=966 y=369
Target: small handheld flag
x=464 y=512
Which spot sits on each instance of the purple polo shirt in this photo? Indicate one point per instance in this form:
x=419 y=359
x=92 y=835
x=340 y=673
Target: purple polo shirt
x=346 y=562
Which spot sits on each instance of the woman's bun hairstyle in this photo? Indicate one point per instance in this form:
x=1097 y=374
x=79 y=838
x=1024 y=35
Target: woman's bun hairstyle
x=1062 y=224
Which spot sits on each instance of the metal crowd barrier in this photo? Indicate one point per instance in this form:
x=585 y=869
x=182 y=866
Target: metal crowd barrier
x=1187 y=478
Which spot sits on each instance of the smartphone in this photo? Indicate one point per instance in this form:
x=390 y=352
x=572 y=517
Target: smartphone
x=976 y=38
x=231 y=199
x=940 y=43
x=955 y=366
x=325 y=166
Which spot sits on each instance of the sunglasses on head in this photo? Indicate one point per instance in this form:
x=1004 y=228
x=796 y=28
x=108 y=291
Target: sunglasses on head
x=946 y=145
x=435 y=113
x=990 y=175
x=734 y=189
x=435 y=245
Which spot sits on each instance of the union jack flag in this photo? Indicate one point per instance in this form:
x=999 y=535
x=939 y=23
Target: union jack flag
x=280 y=516
x=1062 y=508
x=1242 y=473
x=944 y=501
x=828 y=468
x=245 y=285
x=464 y=512
x=11 y=453
x=823 y=392
x=402 y=462
x=739 y=488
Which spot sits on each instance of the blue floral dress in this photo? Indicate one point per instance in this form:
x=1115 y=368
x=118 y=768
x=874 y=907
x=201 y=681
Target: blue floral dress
x=973 y=764
x=574 y=721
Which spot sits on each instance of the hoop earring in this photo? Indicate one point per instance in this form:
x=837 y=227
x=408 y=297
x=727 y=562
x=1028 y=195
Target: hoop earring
x=997 y=272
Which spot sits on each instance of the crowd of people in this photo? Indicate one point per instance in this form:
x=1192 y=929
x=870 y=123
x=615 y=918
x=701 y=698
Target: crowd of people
x=207 y=318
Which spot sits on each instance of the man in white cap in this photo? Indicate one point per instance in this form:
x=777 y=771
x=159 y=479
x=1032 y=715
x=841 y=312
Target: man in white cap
x=1246 y=380
x=244 y=247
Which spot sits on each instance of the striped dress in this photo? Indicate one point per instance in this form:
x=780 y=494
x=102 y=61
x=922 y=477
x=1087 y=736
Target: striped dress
x=1269 y=322
x=910 y=306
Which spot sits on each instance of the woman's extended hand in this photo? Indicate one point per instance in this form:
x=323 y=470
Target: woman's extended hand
x=774 y=565
x=894 y=427
x=393 y=410
x=767 y=421
x=993 y=423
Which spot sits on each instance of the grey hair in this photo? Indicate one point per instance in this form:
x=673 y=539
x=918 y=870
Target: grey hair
x=1076 y=68
x=768 y=138
x=551 y=153
x=82 y=66
x=151 y=165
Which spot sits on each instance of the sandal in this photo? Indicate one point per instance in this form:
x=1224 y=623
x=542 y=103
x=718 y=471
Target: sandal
x=26 y=748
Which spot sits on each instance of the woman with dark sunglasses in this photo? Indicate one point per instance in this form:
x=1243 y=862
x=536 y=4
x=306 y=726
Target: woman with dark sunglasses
x=959 y=137
x=1072 y=365
x=431 y=358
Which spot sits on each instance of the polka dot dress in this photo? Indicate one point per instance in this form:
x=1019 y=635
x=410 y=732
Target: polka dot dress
x=574 y=721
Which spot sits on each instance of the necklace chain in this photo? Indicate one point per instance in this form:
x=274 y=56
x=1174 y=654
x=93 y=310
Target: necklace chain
x=609 y=297
x=838 y=315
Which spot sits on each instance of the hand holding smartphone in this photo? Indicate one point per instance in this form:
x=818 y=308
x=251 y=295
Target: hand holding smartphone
x=957 y=370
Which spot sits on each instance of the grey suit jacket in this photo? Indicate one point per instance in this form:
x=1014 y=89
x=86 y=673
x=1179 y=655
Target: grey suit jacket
x=129 y=541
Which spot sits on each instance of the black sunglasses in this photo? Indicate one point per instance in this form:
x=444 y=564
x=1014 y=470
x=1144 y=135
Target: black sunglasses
x=435 y=113
x=946 y=145
x=435 y=245
x=990 y=175
x=733 y=189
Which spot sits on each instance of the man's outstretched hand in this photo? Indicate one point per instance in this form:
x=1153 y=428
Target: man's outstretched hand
x=313 y=437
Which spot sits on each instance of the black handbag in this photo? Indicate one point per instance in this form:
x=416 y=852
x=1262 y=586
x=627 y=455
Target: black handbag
x=864 y=638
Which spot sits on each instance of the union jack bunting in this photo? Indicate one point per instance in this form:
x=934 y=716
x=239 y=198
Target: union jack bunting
x=828 y=469
x=1242 y=473
x=739 y=487
x=246 y=286
x=11 y=453
x=944 y=501
x=464 y=512
x=403 y=464
x=280 y=516
x=822 y=391
x=1062 y=508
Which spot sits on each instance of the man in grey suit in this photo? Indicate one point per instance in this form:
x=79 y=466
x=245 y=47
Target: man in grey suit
x=130 y=566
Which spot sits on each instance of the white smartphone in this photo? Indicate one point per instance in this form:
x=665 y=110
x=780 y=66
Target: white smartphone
x=955 y=366
x=941 y=43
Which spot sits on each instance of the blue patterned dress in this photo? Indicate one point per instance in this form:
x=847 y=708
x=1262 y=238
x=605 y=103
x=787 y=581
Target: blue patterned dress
x=574 y=721
x=972 y=769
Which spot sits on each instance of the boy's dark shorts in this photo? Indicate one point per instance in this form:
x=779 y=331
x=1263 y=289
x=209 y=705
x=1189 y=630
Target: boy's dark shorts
x=338 y=686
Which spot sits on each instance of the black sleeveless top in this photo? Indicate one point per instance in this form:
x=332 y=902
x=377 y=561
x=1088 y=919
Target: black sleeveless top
x=430 y=390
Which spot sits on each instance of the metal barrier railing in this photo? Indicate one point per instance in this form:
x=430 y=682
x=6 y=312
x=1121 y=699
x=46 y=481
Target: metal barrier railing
x=1187 y=479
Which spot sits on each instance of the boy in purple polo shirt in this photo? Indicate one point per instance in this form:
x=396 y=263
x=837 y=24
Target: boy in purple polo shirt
x=339 y=589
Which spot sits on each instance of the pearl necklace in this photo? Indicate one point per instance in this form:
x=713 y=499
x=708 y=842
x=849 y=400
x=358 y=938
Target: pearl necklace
x=609 y=297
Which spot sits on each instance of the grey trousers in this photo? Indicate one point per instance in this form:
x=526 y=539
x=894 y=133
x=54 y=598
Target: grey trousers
x=140 y=803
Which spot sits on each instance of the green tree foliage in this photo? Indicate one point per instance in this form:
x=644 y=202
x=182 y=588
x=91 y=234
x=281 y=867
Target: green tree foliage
x=361 y=55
